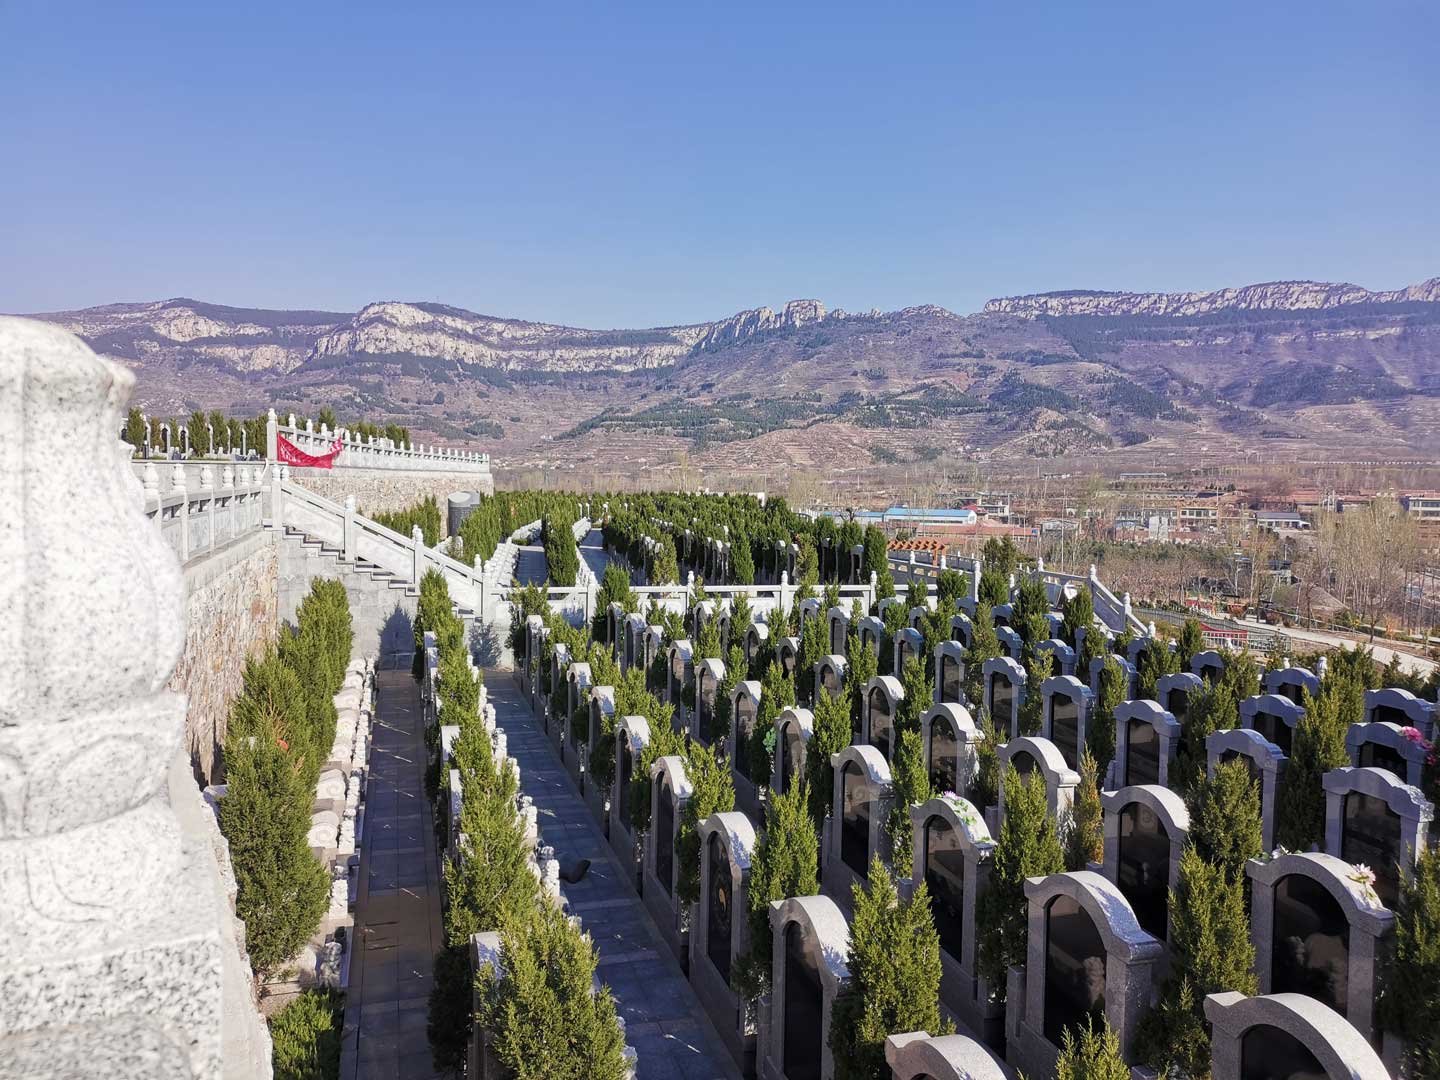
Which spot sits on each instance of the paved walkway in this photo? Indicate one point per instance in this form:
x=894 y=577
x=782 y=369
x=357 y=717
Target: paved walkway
x=397 y=912
x=664 y=1021
x=530 y=567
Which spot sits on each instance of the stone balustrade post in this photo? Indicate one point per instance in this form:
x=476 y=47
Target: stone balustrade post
x=120 y=953
x=272 y=434
x=177 y=483
x=417 y=544
x=348 y=542
x=227 y=488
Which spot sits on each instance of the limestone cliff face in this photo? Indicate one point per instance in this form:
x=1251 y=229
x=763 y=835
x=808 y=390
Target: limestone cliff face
x=247 y=340
x=435 y=331
x=1273 y=296
x=747 y=324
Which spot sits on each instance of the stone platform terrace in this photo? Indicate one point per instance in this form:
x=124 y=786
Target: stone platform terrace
x=664 y=1020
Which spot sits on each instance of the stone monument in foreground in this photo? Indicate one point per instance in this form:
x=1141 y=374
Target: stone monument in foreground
x=119 y=952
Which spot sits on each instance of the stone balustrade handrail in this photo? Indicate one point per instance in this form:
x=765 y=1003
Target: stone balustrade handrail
x=202 y=505
x=372 y=452
x=358 y=537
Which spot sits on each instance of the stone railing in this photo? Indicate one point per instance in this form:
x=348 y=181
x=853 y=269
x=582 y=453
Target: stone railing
x=358 y=537
x=370 y=452
x=203 y=505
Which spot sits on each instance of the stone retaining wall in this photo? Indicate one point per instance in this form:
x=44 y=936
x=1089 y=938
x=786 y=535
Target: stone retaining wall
x=231 y=614
x=388 y=490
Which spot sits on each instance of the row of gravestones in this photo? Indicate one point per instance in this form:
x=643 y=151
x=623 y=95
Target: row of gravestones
x=484 y=947
x=1317 y=928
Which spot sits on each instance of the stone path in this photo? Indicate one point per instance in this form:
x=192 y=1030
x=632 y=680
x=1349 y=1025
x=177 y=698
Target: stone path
x=592 y=551
x=664 y=1021
x=397 y=911
x=530 y=568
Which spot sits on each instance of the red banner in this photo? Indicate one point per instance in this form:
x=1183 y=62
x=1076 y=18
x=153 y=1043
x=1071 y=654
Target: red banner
x=290 y=454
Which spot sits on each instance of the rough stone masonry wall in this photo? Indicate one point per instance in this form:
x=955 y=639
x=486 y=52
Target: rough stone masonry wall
x=388 y=490
x=381 y=617
x=231 y=613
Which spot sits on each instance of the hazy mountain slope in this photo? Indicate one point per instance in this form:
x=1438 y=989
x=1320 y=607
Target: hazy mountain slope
x=1037 y=375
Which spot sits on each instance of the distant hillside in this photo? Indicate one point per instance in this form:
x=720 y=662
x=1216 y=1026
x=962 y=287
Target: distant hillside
x=1283 y=364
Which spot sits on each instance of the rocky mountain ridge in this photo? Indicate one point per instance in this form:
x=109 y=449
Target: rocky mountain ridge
x=803 y=386
x=1270 y=296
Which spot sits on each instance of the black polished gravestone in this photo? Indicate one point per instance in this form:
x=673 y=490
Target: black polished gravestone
x=1002 y=701
x=1310 y=951
x=791 y=748
x=1268 y=1053
x=944 y=749
x=744 y=728
x=1370 y=834
x=1142 y=754
x=1144 y=866
x=1074 y=969
x=950 y=683
x=855 y=819
x=665 y=836
x=718 y=915
x=804 y=1009
x=1065 y=728
x=1374 y=755
x=881 y=722
x=945 y=879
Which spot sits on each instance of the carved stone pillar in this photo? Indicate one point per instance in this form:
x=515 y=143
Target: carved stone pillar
x=119 y=945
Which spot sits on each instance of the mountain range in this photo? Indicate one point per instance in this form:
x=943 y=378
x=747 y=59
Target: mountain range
x=1292 y=366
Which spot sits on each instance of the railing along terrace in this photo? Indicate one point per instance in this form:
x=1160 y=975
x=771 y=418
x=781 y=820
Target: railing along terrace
x=357 y=537
x=1115 y=612
x=369 y=451
x=202 y=505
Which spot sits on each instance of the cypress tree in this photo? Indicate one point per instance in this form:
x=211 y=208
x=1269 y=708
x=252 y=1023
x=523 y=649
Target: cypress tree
x=894 y=962
x=1208 y=709
x=1095 y=1055
x=918 y=694
x=777 y=693
x=742 y=562
x=1190 y=642
x=1026 y=847
x=812 y=650
x=875 y=559
x=994 y=586
x=1079 y=614
x=545 y=1020
x=785 y=864
x=911 y=786
x=1038 y=666
x=830 y=736
x=1085 y=826
x=282 y=890
x=860 y=667
x=490 y=884
x=1225 y=822
x=1318 y=746
x=1210 y=952
x=1409 y=1005
x=1100 y=730
x=1155 y=660
x=984 y=645
x=713 y=793
x=951 y=586
x=985 y=786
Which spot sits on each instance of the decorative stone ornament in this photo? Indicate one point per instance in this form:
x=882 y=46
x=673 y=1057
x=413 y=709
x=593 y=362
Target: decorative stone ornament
x=118 y=959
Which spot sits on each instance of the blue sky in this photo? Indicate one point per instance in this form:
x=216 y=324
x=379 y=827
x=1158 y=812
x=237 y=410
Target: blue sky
x=642 y=164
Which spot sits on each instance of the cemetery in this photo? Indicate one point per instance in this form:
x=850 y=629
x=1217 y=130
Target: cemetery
x=974 y=822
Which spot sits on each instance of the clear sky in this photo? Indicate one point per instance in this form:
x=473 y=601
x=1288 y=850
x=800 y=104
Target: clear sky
x=625 y=164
